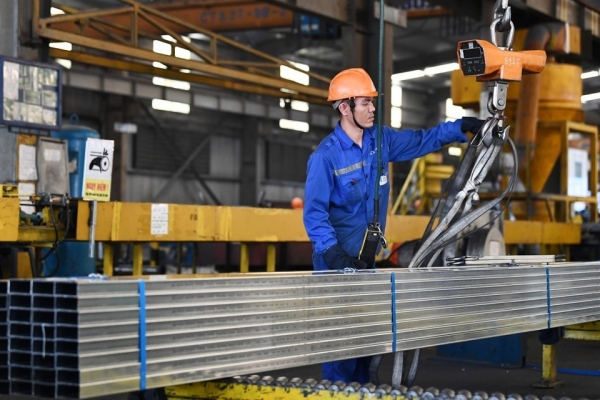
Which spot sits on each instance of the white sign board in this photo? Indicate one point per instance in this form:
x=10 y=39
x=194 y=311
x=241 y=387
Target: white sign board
x=98 y=169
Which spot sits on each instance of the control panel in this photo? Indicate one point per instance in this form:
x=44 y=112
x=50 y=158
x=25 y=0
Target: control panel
x=472 y=60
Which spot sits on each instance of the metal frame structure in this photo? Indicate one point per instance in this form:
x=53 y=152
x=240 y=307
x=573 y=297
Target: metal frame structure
x=122 y=48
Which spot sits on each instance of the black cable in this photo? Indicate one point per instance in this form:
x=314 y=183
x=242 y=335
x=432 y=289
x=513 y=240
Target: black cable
x=455 y=239
x=449 y=233
x=57 y=241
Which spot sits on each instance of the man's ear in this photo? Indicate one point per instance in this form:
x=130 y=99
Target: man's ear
x=344 y=108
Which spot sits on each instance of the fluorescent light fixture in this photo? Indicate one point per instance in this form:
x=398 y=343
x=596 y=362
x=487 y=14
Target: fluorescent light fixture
x=183 y=53
x=284 y=90
x=62 y=46
x=294 y=125
x=403 y=76
x=170 y=38
x=170 y=83
x=455 y=151
x=396 y=96
x=161 y=47
x=184 y=71
x=56 y=11
x=65 y=63
x=396 y=117
x=440 y=69
x=157 y=64
x=125 y=127
x=589 y=97
x=294 y=75
x=172 y=106
x=198 y=36
x=295 y=105
x=590 y=74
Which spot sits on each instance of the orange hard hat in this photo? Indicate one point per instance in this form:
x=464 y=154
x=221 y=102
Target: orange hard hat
x=353 y=82
x=297 y=202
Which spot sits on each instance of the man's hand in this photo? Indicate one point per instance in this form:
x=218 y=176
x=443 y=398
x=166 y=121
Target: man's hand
x=336 y=258
x=471 y=124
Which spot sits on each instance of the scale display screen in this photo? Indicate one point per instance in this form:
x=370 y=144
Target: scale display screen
x=472 y=61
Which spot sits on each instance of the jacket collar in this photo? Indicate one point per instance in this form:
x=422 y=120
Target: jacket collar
x=345 y=139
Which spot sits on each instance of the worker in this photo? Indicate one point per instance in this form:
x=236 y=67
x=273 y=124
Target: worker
x=340 y=183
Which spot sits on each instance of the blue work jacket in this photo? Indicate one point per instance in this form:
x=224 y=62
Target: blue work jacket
x=340 y=183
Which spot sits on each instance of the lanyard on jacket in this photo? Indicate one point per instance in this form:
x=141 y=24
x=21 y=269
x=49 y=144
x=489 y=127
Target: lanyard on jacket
x=373 y=235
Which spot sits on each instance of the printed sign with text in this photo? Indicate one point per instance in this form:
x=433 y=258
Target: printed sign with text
x=98 y=169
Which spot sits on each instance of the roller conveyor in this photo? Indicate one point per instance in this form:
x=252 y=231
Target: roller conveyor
x=85 y=338
x=266 y=387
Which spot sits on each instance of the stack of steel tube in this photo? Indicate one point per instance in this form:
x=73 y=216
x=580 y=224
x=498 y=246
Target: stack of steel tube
x=85 y=338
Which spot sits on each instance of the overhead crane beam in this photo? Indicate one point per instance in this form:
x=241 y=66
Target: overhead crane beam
x=122 y=40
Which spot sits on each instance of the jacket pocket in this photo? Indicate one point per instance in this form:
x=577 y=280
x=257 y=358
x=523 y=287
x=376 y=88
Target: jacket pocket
x=351 y=189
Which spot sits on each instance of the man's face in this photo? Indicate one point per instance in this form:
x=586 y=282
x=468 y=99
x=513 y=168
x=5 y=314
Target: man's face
x=364 y=111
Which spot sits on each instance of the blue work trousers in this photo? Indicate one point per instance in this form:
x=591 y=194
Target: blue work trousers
x=351 y=370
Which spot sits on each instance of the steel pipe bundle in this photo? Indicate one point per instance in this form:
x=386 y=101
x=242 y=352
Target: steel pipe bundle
x=85 y=338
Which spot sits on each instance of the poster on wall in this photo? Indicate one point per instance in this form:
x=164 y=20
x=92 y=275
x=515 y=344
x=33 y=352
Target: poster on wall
x=31 y=94
x=98 y=169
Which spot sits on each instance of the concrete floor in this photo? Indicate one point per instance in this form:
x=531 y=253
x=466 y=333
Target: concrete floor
x=574 y=356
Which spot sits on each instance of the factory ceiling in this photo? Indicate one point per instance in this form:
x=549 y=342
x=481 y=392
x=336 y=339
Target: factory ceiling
x=428 y=39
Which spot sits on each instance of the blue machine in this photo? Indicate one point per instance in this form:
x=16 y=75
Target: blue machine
x=73 y=257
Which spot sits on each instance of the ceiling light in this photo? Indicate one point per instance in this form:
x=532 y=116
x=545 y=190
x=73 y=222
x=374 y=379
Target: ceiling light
x=56 y=11
x=295 y=105
x=170 y=83
x=61 y=45
x=590 y=74
x=161 y=47
x=403 y=76
x=183 y=53
x=440 y=69
x=172 y=106
x=294 y=125
x=198 y=36
x=157 y=64
x=65 y=63
x=293 y=74
x=588 y=97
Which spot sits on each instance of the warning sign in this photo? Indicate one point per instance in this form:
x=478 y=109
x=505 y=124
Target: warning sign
x=98 y=169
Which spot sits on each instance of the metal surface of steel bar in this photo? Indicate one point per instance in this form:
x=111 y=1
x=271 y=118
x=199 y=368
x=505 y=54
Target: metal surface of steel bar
x=81 y=338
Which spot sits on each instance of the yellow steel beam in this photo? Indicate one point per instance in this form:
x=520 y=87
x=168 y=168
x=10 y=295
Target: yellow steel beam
x=271 y=257
x=244 y=258
x=138 y=259
x=549 y=367
x=131 y=66
x=122 y=28
x=173 y=24
x=148 y=55
x=130 y=222
x=9 y=219
x=108 y=259
x=178 y=38
x=219 y=15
